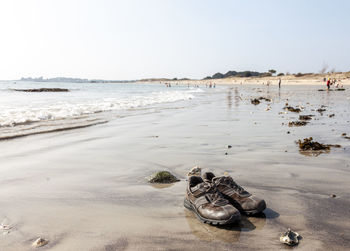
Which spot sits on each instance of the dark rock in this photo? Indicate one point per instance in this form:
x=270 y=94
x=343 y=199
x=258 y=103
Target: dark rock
x=331 y=115
x=320 y=110
x=229 y=146
x=42 y=90
x=333 y=195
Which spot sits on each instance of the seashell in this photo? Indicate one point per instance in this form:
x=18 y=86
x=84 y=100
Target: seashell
x=195 y=171
x=290 y=238
x=39 y=242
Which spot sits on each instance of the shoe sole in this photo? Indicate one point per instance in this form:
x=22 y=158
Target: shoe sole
x=231 y=220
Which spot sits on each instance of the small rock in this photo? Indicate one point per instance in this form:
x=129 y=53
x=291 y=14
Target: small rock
x=39 y=242
x=331 y=115
x=333 y=196
x=163 y=177
x=226 y=153
x=229 y=146
x=290 y=238
x=288 y=132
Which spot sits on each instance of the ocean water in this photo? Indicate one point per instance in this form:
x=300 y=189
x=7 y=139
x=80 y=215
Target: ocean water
x=25 y=113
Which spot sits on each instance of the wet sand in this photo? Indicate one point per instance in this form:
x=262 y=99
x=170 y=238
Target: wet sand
x=86 y=189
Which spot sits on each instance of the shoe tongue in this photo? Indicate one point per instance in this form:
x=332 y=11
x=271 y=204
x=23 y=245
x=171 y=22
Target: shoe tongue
x=200 y=187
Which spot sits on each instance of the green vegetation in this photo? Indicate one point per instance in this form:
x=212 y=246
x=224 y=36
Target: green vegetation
x=163 y=177
x=238 y=74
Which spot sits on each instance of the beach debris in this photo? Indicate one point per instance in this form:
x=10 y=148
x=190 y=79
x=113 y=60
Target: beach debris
x=320 y=110
x=195 y=171
x=290 y=238
x=344 y=135
x=308 y=144
x=226 y=153
x=255 y=101
x=292 y=109
x=337 y=89
x=305 y=117
x=266 y=99
x=288 y=132
x=333 y=195
x=42 y=90
x=5 y=227
x=297 y=123
x=39 y=242
x=163 y=177
x=229 y=146
x=331 y=115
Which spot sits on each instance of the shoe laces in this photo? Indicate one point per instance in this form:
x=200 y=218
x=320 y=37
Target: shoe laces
x=213 y=195
x=231 y=183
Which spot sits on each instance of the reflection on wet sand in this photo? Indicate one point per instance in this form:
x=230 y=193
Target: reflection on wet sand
x=229 y=233
x=161 y=186
x=313 y=153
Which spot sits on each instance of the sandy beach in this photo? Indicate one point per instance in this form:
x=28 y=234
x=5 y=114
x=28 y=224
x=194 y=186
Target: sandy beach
x=314 y=79
x=86 y=189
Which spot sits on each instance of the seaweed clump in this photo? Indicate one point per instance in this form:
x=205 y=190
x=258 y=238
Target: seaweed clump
x=292 y=109
x=305 y=117
x=297 y=123
x=164 y=177
x=255 y=101
x=345 y=136
x=308 y=144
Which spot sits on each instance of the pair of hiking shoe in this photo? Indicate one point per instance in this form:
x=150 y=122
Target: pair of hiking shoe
x=220 y=200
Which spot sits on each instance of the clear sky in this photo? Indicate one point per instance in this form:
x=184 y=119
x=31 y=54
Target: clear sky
x=130 y=39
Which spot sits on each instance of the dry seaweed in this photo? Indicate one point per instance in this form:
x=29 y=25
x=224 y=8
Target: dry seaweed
x=320 y=110
x=305 y=117
x=255 y=101
x=308 y=144
x=292 y=109
x=297 y=123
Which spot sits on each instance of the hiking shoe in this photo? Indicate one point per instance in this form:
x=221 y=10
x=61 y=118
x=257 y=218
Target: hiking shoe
x=238 y=197
x=208 y=204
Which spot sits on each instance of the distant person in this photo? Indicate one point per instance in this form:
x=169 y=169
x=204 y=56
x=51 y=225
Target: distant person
x=328 y=83
x=214 y=85
x=279 y=83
